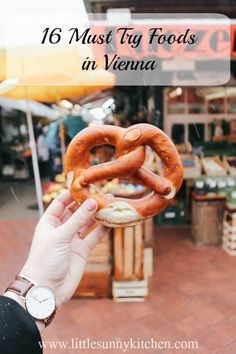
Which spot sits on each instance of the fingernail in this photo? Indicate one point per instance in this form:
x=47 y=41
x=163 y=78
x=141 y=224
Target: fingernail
x=90 y=204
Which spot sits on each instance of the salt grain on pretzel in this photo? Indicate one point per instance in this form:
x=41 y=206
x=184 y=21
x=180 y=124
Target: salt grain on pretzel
x=130 y=154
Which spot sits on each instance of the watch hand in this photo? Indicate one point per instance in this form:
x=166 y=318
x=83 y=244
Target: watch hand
x=44 y=300
x=34 y=298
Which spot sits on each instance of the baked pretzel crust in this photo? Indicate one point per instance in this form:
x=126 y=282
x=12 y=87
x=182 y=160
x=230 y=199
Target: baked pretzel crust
x=130 y=154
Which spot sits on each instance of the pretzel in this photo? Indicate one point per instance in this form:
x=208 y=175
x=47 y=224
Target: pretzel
x=130 y=154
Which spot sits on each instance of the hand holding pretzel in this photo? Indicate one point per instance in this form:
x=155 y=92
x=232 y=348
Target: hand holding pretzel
x=130 y=154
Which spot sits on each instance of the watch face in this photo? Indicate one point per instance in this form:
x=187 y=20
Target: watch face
x=40 y=302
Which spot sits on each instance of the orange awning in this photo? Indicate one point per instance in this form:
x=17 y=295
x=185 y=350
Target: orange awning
x=52 y=76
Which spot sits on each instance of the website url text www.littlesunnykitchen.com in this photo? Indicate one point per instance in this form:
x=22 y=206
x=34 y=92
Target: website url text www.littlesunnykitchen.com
x=122 y=345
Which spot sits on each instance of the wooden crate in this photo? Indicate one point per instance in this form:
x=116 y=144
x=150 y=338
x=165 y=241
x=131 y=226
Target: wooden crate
x=193 y=171
x=148 y=232
x=148 y=262
x=207 y=222
x=128 y=253
x=229 y=233
x=130 y=291
x=184 y=148
x=96 y=282
x=128 y=250
x=211 y=172
x=230 y=169
x=102 y=252
x=118 y=253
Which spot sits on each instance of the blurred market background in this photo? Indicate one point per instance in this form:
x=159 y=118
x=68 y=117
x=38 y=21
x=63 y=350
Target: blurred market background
x=171 y=278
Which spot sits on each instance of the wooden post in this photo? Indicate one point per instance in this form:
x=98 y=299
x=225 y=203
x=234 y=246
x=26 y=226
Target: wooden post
x=118 y=254
x=128 y=252
x=138 y=251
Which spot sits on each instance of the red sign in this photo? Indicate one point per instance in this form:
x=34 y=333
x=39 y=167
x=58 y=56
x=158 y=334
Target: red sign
x=233 y=41
x=195 y=41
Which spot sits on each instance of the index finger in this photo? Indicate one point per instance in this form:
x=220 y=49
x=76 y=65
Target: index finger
x=58 y=205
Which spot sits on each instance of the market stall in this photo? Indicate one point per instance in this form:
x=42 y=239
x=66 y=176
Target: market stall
x=46 y=94
x=202 y=123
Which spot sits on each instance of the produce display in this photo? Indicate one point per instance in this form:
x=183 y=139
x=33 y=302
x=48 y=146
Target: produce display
x=217 y=187
x=130 y=155
x=60 y=178
x=52 y=189
x=127 y=189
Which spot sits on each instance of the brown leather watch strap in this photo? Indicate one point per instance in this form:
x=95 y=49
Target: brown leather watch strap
x=48 y=320
x=20 y=286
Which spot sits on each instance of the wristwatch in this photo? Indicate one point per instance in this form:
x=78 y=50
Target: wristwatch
x=39 y=301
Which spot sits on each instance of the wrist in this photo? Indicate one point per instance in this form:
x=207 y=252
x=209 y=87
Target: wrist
x=38 y=301
x=32 y=273
x=20 y=301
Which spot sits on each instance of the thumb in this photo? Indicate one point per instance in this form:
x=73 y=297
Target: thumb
x=79 y=219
